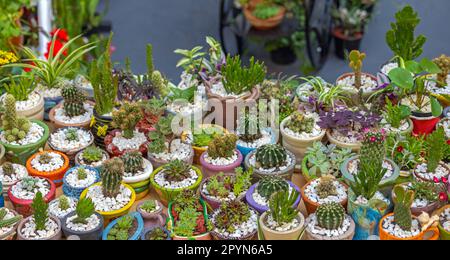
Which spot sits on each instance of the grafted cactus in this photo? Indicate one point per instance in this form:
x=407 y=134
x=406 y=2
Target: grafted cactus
x=356 y=62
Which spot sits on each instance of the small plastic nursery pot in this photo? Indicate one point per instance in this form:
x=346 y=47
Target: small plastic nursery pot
x=156 y=162
x=444 y=234
x=416 y=211
x=10 y=235
x=171 y=222
x=78 y=161
x=212 y=202
x=261 y=24
x=75 y=192
x=56 y=176
x=260 y=208
x=108 y=216
x=100 y=128
x=57 y=236
x=424 y=123
x=155 y=218
x=211 y=170
x=293 y=234
x=148 y=230
x=355 y=147
x=312 y=206
x=296 y=145
x=20 y=153
x=417 y=177
x=346 y=236
x=431 y=233
x=167 y=195
x=23 y=207
x=95 y=234
x=49 y=104
x=137 y=234
x=70 y=153
x=246 y=150
x=257 y=174
x=59 y=124
x=350 y=178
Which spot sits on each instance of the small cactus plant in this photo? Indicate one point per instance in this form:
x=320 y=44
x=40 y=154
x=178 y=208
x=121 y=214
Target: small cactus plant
x=112 y=174
x=8 y=169
x=270 y=155
x=72 y=135
x=330 y=215
x=269 y=185
x=326 y=187
x=126 y=119
x=40 y=209
x=300 y=123
x=45 y=158
x=81 y=174
x=133 y=162
x=222 y=146
x=85 y=209
x=16 y=128
x=403 y=200
x=443 y=62
x=73 y=101
x=356 y=62
x=10 y=221
x=436 y=145
x=176 y=170
x=249 y=128
x=63 y=203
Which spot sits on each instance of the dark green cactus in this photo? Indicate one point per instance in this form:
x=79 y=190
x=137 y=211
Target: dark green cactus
x=8 y=169
x=330 y=215
x=73 y=101
x=85 y=209
x=112 y=175
x=8 y=222
x=269 y=185
x=16 y=128
x=133 y=162
x=40 y=211
x=403 y=200
x=249 y=129
x=270 y=156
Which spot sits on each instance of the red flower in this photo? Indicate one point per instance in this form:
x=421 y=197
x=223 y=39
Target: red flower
x=448 y=141
x=62 y=35
x=56 y=49
x=27 y=69
x=400 y=149
x=443 y=196
x=444 y=180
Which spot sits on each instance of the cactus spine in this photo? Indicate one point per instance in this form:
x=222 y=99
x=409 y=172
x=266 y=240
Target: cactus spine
x=249 y=129
x=330 y=215
x=270 y=156
x=133 y=162
x=112 y=174
x=299 y=123
x=73 y=101
x=402 y=211
x=326 y=187
x=126 y=118
x=8 y=169
x=269 y=185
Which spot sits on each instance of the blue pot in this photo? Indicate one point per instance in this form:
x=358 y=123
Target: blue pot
x=136 y=235
x=150 y=229
x=49 y=104
x=2 y=199
x=245 y=150
x=74 y=192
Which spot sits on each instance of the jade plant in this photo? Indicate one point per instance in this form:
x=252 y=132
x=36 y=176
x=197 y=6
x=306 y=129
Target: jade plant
x=121 y=231
x=222 y=146
x=326 y=187
x=237 y=79
x=402 y=210
x=8 y=222
x=133 y=162
x=271 y=184
x=73 y=101
x=356 y=59
x=16 y=128
x=112 y=175
x=326 y=159
x=330 y=216
x=163 y=134
x=84 y=210
x=40 y=212
x=281 y=206
x=232 y=214
x=126 y=119
x=271 y=156
x=443 y=62
x=436 y=143
x=177 y=170
x=92 y=154
x=299 y=123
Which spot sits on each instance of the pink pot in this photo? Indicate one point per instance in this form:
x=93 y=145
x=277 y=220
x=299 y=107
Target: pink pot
x=211 y=170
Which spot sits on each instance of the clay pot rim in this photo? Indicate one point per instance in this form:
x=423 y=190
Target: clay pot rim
x=150 y=229
x=349 y=145
x=381 y=229
x=53 y=119
x=306 y=198
x=74 y=151
x=47 y=197
x=261 y=208
x=26 y=220
x=65 y=229
x=162 y=161
x=45 y=136
x=156 y=185
x=216 y=234
x=248 y=11
x=14 y=227
x=338 y=33
x=248 y=95
x=350 y=74
x=420 y=178
x=314 y=138
x=9 y=184
x=262 y=220
x=145 y=214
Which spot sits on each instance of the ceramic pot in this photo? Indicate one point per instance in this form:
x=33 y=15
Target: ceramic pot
x=419 y=178
x=57 y=236
x=355 y=147
x=344 y=44
x=260 y=208
x=70 y=152
x=171 y=223
x=219 y=236
x=56 y=176
x=214 y=203
x=59 y=124
x=385 y=181
x=211 y=170
x=75 y=192
x=270 y=234
x=312 y=206
x=114 y=150
x=257 y=174
x=266 y=24
x=348 y=235
x=155 y=218
x=137 y=234
x=10 y=235
x=246 y=150
x=424 y=123
x=36 y=112
x=79 y=162
x=431 y=233
x=148 y=230
x=156 y=162
x=354 y=93
x=94 y=234
x=100 y=129
x=50 y=103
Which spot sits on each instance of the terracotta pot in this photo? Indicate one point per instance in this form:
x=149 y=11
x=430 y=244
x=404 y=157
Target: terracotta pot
x=56 y=176
x=386 y=181
x=355 y=147
x=115 y=152
x=57 y=236
x=417 y=177
x=211 y=170
x=36 y=112
x=212 y=202
x=354 y=93
x=50 y=102
x=348 y=235
x=10 y=235
x=79 y=162
x=312 y=206
x=296 y=145
x=95 y=234
x=260 y=208
x=70 y=152
x=270 y=234
x=170 y=225
x=431 y=233
x=444 y=234
x=156 y=162
x=137 y=234
x=156 y=218
x=59 y=124
x=266 y=24
x=23 y=207
x=257 y=174
x=75 y=192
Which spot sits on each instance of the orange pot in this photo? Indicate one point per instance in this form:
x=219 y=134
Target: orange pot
x=266 y=24
x=311 y=206
x=56 y=176
x=431 y=233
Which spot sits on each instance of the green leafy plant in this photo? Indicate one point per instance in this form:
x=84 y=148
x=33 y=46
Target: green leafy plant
x=356 y=59
x=154 y=109
x=20 y=89
x=157 y=234
x=161 y=136
x=187 y=224
x=85 y=209
x=149 y=206
x=121 y=231
x=265 y=11
x=271 y=156
x=221 y=185
x=8 y=222
x=126 y=118
x=326 y=160
x=436 y=143
x=92 y=154
x=16 y=128
x=243 y=180
x=281 y=206
x=237 y=79
x=402 y=211
x=222 y=146
x=192 y=59
x=425 y=190
x=404 y=150
x=395 y=114
x=40 y=209
x=112 y=175
x=205 y=135
x=330 y=215
x=10 y=14
x=176 y=170
x=232 y=214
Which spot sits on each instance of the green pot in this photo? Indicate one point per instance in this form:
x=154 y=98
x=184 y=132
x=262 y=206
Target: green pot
x=20 y=153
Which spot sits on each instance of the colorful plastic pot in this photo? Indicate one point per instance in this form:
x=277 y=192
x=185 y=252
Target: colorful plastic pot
x=246 y=150
x=56 y=176
x=171 y=223
x=312 y=206
x=12 y=233
x=218 y=236
x=137 y=233
x=416 y=211
x=270 y=234
x=59 y=124
x=424 y=123
x=148 y=230
x=100 y=128
x=57 y=236
x=431 y=233
x=95 y=234
x=148 y=170
x=211 y=170
x=155 y=218
x=386 y=181
x=446 y=112
x=285 y=173
x=444 y=234
x=260 y=208
x=353 y=94
x=114 y=150
x=75 y=192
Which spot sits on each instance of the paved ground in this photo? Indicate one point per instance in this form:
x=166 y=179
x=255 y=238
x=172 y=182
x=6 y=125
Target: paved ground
x=171 y=24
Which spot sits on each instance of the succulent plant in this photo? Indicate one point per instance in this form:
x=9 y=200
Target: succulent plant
x=45 y=158
x=162 y=135
x=443 y=62
x=72 y=135
x=121 y=230
x=16 y=128
x=282 y=206
x=133 y=162
x=156 y=234
x=40 y=211
x=63 y=203
x=237 y=79
x=271 y=184
x=148 y=206
x=8 y=169
x=92 y=154
x=403 y=200
x=248 y=127
x=112 y=175
x=29 y=183
x=10 y=221
x=356 y=62
x=81 y=173
x=85 y=209
x=300 y=123
x=270 y=156
x=326 y=187
x=222 y=146
x=176 y=170
x=330 y=215
x=232 y=214
x=73 y=101
x=126 y=118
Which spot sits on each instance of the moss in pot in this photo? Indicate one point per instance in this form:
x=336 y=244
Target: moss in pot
x=92 y=156
x=9 y=221
x=84 y=222
x=271 y=160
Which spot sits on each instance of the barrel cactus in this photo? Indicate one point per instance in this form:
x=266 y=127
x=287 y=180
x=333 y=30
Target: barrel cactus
x=326 y=187
x=269 y=185
x=16 y=128
x=112 y=174
x=73 y=101
x=7 y=222
x=330 y=215
x=403 y=200
x=133 y=162
x=270 y=156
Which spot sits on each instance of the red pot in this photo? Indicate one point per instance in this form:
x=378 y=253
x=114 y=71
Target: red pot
x=424 y=123
x=115 y=152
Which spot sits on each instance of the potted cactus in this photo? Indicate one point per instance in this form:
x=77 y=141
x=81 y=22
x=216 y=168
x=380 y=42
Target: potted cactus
x=112 y=197
x=171 y=179
x=221 y=156
x=126 y=137
x=396 y=118
x=92 y=156
x=78 y=178
x=258 y=195
x=271 y=160
x=330 y=222
x=74 y=110
x=61 y=206
x=84 y=222
x=9 y=221
x=299 y=132
x=21 y=137
x=49 y=164
x=156 y=233
x=70 y=140
x=137 y=173
x=426 y=196
x=152 y=213
x=11 y=173
x=165 y=146
x=282 y=221
x=128 y=227
x=200 y=137
x=438 y=83
x=39 y=226
x=401 y=225
x=263 y=15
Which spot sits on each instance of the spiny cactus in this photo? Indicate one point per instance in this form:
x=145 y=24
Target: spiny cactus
x=8 y=169
x=72 y=135
x=81 y=173
x=133 y=162
x=176 y=170
x=300 y=123
x=85 y=209
x=403 y=200
x=126 y=118
x=45 y=158
x=64 y=203
x=73 y=101
x=92 y=154
x=222 y=146
x=436 y=144
x=356 y=62
x=443 y=62
x=249 y=128
x=112 y=175
x=373 y=148
x=330 y=215
x=326 y=187
x=16 y=128
x=270 y=156
x=269 y=185
x=10 y=221
x=40 y=209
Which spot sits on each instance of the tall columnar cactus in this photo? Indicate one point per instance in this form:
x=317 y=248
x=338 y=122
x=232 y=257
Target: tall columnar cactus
x=403 y=200
x=356 y=62
x=16 y=128
x=73 y=101
x=443 y=62
x=373 y=148
x=330 y=215
x=112 y=175
x=269 y=185
x=270 y=156
x=126 y=118
x=249 y=128
x=299 y=123
x=133 y=162
x=326 y=187
x=436 y=144
x=7 y=222
x=8 y=169
x=222 y=146
x=40 y=211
